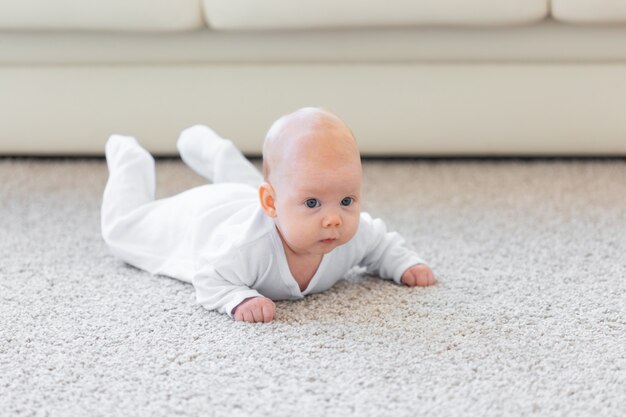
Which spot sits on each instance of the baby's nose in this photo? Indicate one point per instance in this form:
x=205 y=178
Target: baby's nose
x=332 y=220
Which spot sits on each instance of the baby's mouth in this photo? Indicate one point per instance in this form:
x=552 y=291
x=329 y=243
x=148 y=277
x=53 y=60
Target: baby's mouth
x=329 y=240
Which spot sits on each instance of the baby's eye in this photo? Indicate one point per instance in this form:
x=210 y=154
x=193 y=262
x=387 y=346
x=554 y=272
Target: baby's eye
x=347 y=201
x=312 y=203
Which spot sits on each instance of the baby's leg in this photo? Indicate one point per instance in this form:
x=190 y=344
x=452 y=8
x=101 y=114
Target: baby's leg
x=215 y=158
x=143 y=232
x=131 y=182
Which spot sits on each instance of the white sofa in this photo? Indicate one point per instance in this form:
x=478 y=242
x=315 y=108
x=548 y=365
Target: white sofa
x=411 y=77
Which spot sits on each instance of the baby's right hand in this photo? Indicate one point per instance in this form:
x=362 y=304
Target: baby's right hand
x=255 y=310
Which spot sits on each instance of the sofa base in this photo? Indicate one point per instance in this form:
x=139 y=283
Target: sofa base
x=427 y=108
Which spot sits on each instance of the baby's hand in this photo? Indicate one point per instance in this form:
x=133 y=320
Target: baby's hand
x=420 y=275
x=255 y=310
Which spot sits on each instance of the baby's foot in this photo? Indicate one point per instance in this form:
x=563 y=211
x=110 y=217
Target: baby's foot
x=124 y=148
x=198 y=147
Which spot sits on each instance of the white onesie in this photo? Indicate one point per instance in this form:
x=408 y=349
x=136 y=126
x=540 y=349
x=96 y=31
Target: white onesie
x=217 y=236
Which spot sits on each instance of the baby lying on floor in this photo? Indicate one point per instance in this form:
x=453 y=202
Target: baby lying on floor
x=248 y=239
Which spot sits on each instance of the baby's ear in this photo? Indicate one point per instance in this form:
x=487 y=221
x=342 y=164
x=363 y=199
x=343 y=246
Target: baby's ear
x=268 y=201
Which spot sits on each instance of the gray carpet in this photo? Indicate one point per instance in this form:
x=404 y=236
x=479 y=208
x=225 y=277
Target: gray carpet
x=528 y=317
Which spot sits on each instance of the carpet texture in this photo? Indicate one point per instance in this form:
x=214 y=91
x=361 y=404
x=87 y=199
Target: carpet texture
x=528 y=317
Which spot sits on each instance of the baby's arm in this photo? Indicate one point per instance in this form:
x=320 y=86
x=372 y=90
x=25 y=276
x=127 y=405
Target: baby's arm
x=226 y=288
x=387 y=255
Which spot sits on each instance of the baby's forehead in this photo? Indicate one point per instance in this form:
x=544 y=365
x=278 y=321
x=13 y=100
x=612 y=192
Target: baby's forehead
x=342 y=180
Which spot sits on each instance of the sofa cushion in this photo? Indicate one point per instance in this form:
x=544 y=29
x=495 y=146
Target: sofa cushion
x=589 y=11
x=290 y=14
x=548 y=41
x=125 y=15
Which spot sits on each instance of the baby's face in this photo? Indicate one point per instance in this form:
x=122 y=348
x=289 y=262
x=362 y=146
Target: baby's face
x=318 y=205
x=313 y=168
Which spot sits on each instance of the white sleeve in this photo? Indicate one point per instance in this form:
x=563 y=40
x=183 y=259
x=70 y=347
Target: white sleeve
x=224 y=286
x=385 y=252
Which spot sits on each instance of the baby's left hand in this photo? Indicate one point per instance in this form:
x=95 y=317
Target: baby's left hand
x=420 y=275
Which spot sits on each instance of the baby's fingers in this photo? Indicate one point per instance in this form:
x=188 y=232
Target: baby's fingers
x=426 y=278
x=268 y=312
x=248 y=316
x=239 y=314
x=257 y=313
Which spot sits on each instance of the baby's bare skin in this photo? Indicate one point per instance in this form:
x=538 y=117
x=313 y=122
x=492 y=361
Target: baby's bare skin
x=418 y=275
x=311 y=155
x=255 y=310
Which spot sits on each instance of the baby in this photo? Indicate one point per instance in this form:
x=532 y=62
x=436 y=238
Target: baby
x=248 y=239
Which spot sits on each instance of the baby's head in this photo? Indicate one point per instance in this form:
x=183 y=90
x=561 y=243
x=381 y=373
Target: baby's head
x=312 y=187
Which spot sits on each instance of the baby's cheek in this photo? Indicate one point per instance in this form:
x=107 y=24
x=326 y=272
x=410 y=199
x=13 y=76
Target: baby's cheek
x=300 y=233
x=352 y=229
